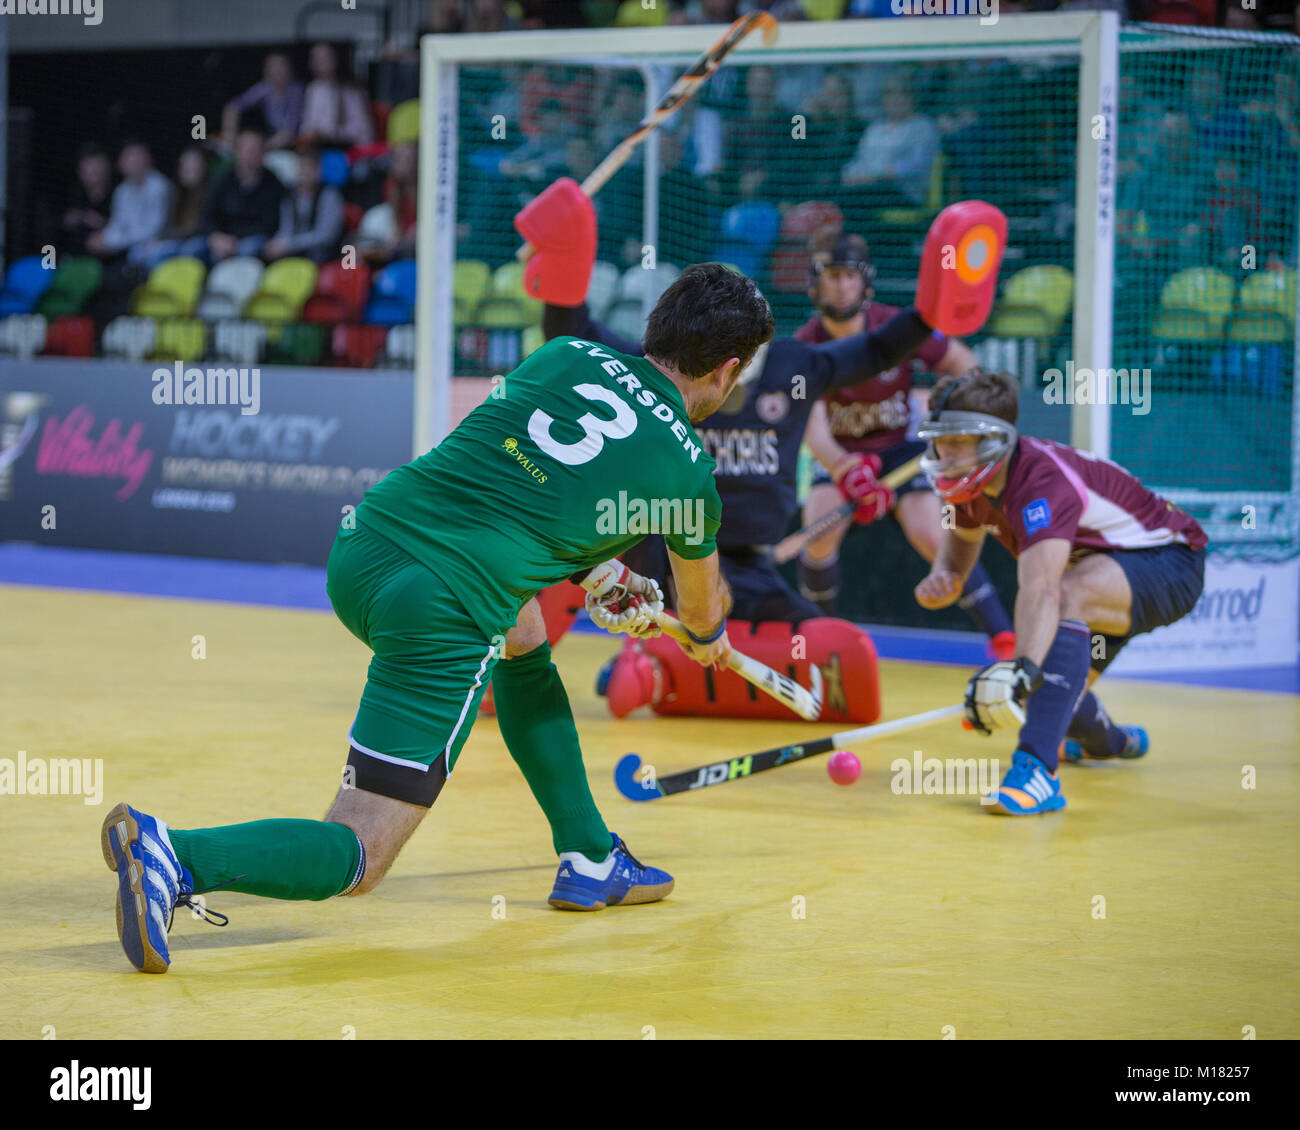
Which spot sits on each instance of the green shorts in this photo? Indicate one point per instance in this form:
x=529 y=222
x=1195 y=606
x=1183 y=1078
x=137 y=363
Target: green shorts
x=431 y=666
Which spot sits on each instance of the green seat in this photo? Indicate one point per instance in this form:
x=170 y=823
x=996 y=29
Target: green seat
x=1265 y=309
x=299 y=344
x=77 y=278
x=1194 y=306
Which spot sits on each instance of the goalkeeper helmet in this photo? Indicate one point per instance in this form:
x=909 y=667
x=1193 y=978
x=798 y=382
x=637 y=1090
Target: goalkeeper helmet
x=963 y=479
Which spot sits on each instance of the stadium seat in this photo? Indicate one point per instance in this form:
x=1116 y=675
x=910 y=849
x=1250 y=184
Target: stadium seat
x=640 y=285
x=508 y=282
x=284 y=164
x=1034 y=303
x=392 y=298
x=927 y=210
x=1265 y=308
x=1194 y=305
x=340 y=294
x=379 y=112
x=239 y=340
x=172 y=289
x=335 y=168
x=22 y=335
x=789 y=266
x=603 y=288
x=534 y=338
x=24 y=285
x=285 y=287
x=399 y=347
x=231 y=283
x=626 y=317
x=357 y=346
x=503 y=313
x=404 y=122
x=184 y=338
x=632 y=13
x=128 y=338
x=822 y=9
x=297 y=344
x=352 y=214
x=75 y=280
x=470 y=282
x=753 y=222
x=71 y=335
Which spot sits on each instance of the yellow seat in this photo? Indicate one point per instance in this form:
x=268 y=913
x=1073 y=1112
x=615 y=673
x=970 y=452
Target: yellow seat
x=503 y=313
x=180 y=337
x=1266 y=309
x=933 y=200
x=287 y=284
x=404 y=122
x=1034 y=303
x=533 y=339
x=1194 y=305
x=822 y=9
x=508 y=282
x=172 y=289
x=471 y=280
x=631 y=13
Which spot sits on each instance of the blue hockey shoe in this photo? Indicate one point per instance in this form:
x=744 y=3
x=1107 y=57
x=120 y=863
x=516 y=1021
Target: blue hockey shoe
x=619 y=881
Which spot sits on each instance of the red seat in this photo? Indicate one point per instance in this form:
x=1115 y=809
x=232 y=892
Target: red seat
x=71 y=336
x=352 y=214
x=806 y=219
x=357 y=346
x=340 y=294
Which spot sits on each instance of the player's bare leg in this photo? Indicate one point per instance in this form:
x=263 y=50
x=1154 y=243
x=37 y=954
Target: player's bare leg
x=382 y=824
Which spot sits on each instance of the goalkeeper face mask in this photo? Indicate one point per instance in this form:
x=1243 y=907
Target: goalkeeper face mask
x=962 y=476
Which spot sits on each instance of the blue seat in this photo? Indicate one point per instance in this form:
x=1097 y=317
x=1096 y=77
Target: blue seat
x=754 y=222
x=334 y=167
x=741 y=256
x=26 y=282
x=397 y=280
x=387 y=310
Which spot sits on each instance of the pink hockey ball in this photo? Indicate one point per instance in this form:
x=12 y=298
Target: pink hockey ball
x=844 y=768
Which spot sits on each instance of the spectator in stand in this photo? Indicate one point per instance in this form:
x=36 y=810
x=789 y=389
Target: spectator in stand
x=541 y=158
x=391 y=234
x=335 y=113
x=139 y=209
x=552 y=13
x=277 y=97
x=311 y=216
x=1234 y=213
x=242 y=210
x=487 y=15
x=1277 y=129
x=761 y=141
x=1240 y=19
x=621 y=111
x=88 y=207
x=892 y=165
x=1217 y=124
x=186 y=215
x=833 y=131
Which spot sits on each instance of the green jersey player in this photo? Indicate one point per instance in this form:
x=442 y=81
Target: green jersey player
x=437 y=575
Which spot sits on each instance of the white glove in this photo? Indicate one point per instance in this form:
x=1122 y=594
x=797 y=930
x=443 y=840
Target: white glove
x=995 y=694
x=621 y=601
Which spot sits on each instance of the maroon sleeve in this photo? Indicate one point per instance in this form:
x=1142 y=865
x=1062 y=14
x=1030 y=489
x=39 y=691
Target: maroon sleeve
x=934 y=350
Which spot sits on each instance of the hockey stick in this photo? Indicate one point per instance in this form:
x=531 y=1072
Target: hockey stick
x=804 y=702
x=789 y=547
x=678 y=95
x=651 y=788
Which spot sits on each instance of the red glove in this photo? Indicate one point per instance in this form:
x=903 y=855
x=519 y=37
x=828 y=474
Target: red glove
x=855 y=475
x=560 y=223
x=959 y=267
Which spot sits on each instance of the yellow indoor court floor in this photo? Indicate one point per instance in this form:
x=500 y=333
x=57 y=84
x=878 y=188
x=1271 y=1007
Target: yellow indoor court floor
x=1163 y=902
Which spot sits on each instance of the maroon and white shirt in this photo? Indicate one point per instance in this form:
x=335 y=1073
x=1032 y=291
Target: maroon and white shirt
x=873 y=415
x=1057 y=491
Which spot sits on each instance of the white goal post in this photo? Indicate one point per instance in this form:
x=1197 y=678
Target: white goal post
x=1092 y=37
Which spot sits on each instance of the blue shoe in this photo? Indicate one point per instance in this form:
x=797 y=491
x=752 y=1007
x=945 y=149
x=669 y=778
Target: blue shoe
x=602 y=676
x=1028 y=789
x=1136 y=744
x=629 y=881
x=151 y=883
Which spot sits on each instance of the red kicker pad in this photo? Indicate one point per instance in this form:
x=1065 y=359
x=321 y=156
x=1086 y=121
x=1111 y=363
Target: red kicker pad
x=674 y=684
x=561 y=604
x=959 y=267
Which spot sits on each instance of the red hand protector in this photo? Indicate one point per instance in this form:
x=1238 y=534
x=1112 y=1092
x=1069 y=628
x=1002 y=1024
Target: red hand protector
x=959 y=267
x=856 y=478
x=561 y=224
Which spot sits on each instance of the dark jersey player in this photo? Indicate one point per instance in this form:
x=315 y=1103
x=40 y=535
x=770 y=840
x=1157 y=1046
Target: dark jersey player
x=867 y=424
x=1100 y=559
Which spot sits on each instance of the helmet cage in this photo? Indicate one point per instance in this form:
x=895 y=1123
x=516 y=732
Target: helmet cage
x=964 y=481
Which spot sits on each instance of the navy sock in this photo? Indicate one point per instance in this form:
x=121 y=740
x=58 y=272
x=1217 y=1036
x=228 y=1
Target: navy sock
x=980 y=601
x=1093 y=729
x=1049 y=709
x=819 y=581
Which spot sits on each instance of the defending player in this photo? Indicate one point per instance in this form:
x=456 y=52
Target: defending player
x=1097 y=553
x=860 y=431
x=438 y=577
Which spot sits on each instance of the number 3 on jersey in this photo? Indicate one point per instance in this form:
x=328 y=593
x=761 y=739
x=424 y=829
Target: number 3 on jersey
x=597 y=430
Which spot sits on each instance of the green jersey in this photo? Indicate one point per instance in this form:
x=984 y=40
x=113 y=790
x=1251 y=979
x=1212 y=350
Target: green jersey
x=572 y=460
